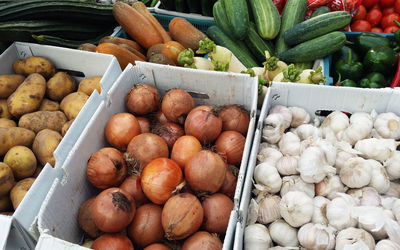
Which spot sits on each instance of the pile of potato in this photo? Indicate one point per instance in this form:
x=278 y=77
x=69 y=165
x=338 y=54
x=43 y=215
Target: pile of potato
x=37 y=106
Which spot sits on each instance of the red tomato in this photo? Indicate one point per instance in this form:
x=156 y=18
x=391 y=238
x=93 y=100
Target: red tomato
x=361 y=25
x=360 y=14
x=374 y=17
x=387 y=11
x=397 y=6
x=391 y=29
x=377 y=30
x=376 y=6
x=388 y=20
x=387 y=3
x=369 y=3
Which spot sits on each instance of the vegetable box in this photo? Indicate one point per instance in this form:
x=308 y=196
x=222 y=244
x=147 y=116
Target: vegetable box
x=57 y=219
x=79 y=64
x=312 y=99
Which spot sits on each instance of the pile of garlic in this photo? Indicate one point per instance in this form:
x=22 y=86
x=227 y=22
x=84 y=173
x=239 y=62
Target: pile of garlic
x=329 y=185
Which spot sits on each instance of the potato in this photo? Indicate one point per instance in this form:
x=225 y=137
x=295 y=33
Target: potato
x=6 y=179
x=7 y=123
x=34 y=64
x=39 y=169
x=40 y=120
x=22 y=161
x=5 y=203
x=46 y=141
x=19 y=191
x=10 y=137
x=87 y=47
x=66 y=126
x=9 y=83
x=59 y=86
x=88 y=85
x=73 y=103
x=4 y=112
x=28 y=96
x=48 y=105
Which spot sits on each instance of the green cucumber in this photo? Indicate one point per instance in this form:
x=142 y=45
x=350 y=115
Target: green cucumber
x=238 y=17
x=194 y=6
x=257 y=45
x=314 y=49
x=168 y=4
x=316 y=27
x=207 y=7
x=266 y=17
x=293 y=13
x=180 y=6
x=320 y=10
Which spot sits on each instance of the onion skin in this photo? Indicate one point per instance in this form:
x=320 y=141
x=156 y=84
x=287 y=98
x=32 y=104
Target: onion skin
x=160 y=178
x=205 y=171
x=170 y=132
x=230 y=144
x=182 y=215
x=112 y=241
x=160 y=117
x=106 y=168
x=113 y=210
x=229 y=186
x=184 y=148
x=234 y=118
x=202 y=241
x=120 y=130
x=217 y=210
x=146 y=227
x=144 y=124
x=142 y=99
x=85 y=219
x=132 y=186
x=176 y=104
x=157 y=246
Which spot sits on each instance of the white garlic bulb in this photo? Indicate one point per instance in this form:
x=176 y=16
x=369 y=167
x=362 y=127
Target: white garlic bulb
x=296 y=208
x=388 y=125
x=336 y=121
x=316 y=236
x=252 y=212
x=289 y=144
x=360 y=128
x=274 y=127
x=329 y=150
x=377 y=149
x=287 y=165
x=319 y=215
x=299 y=116
x=393 y=165
x=394 y=190
x=267 y=178
x=396 y=209
x=285 y=112
x=295 y=183
x=370 y=197
x=338 y=212
x=388 y=202
x=386 y=245
x=268 y=209
x=307 y=130
x=341 y=158
x=354 y=238
x=269 y=155
x=256 y=237
x=372 y=220
x=356 y=173
x=264 y=145
x=283 y=234
x=329 y=186
x=379 y=178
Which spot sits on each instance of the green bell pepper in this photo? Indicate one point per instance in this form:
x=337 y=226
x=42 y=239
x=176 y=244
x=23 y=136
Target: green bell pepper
x=346 y=82
x=365 y=83
x=366 y=41
x=343 y=54
x=373 y=80
x=381 y=59
x=349 y=69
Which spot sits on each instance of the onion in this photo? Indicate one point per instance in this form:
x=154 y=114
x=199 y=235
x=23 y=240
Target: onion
x=176 y=104
x=229 y=186
x=85 y=219
x=182 y=215
x=146 y=227
x=143 y=99
x=203 y=124
x=202 y=240
x=157 y=246
x=160 y=117
x=106 y=168
x=132 y=186
x=184 y=148
x=143 y=149
x=230 y=144
x=144 y=124
x=217 y=209
x=113 y=210
x=112 y=241
x=120 y=130
x=205 y=171
x=234 y=118
x=170 y=132
x=160 y=178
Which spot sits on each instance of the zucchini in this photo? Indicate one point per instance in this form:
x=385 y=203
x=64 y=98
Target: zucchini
x=221 y=39
x=314 y=49
x=180 y=6
x=320 y=10
x=266 y=17
x=168 y=4
x=238 y=17
x=293 y=13
x=207 y=7
x=194 y=6
x=257 y=45
x=316 y=27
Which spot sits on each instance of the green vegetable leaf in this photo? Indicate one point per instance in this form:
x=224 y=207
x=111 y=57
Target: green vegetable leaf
x=206 y=46
x=249 y=71
x=220 y=66
x=261 y=83
x=271 y=63
x=316 y=76
x=291 y=74
x=186 y=57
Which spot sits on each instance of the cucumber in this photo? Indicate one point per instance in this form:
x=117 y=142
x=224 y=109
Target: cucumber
x=220 y=38
x=180 y=6
x=316 y=27
x=266 y=17
x=257 y=45
x=314 y=49
x=293 y=13
x=207 y=7
x=168 y=4
x=238 y=17
x=194 y=6
x=320 y=10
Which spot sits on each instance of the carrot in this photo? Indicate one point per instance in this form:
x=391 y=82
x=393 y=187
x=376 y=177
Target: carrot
x=123 y=55
x=136 y=25
x=172 y=49
x=137 y=53
x=185 y=33
x=119 y=40
x=142 y=9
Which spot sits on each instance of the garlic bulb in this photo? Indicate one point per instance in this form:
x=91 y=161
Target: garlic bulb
x=386 y=245
x=287 y=165
x=307 y=130
x=274 y=126
x=285 y=112
x=329 y=186
x=394 y=190
x=372 y=220
x=316 y=236
x=393 y=165
x=269 y=155
x=329 y=150
x=360 y=128
x=338 y=212
x=356 y=173
x=295 y=183
x=268 y=209
x=370 y=197
x=336 y=121
x=313 y=166
x=388 y=202
x=379 y=178
x=354 y=238
x=267 y=178
x=256 y=237
x=252 y=212
x=299 y=116
x=290 y=144
x=296 y=208
x=396 y=209
x=341 y=158
x=377 y=149
x=264 y=145
x=319 y=215
x=388 y=125
x=283 y=234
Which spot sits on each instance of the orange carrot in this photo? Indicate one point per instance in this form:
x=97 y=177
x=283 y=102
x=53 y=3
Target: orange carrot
x=123 y=55
x=119 y=40
x=172 y=49
x=185 y=33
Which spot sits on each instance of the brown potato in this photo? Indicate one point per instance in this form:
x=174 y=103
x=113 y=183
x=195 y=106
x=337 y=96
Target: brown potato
x=9 y=83
x=22 y=161
x=6 y=179
x=39 y=169
x=4 y=112
x=66 y=126
x=10 y=137
x=28 y=96
x=88 y=85
x=87 y=47
x=5 y=203
x=19 y=191
x=59 y=86
x=40 y=120
x=46 y=141
x=48 y=105
x=7 y=123
x=73 y=103
x=34 y=64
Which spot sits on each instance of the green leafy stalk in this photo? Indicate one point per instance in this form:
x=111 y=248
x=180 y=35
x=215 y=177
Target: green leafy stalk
x=249 y=71
x=271 y=63
x=291 y=74
x=206 y=46
x=316 y=76
x=261 y=83
x=185 y=58
x=220 y=66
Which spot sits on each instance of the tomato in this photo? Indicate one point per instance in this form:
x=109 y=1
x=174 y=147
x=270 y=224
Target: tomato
x=369 y=3
x=374 y=17
x=397 y=6
x=361 y=25
x=387 y=11
x=391 y=29
x=387 y=3
x=376 y=6
x=377 y=30
x=360 y=14
x=388 y=20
